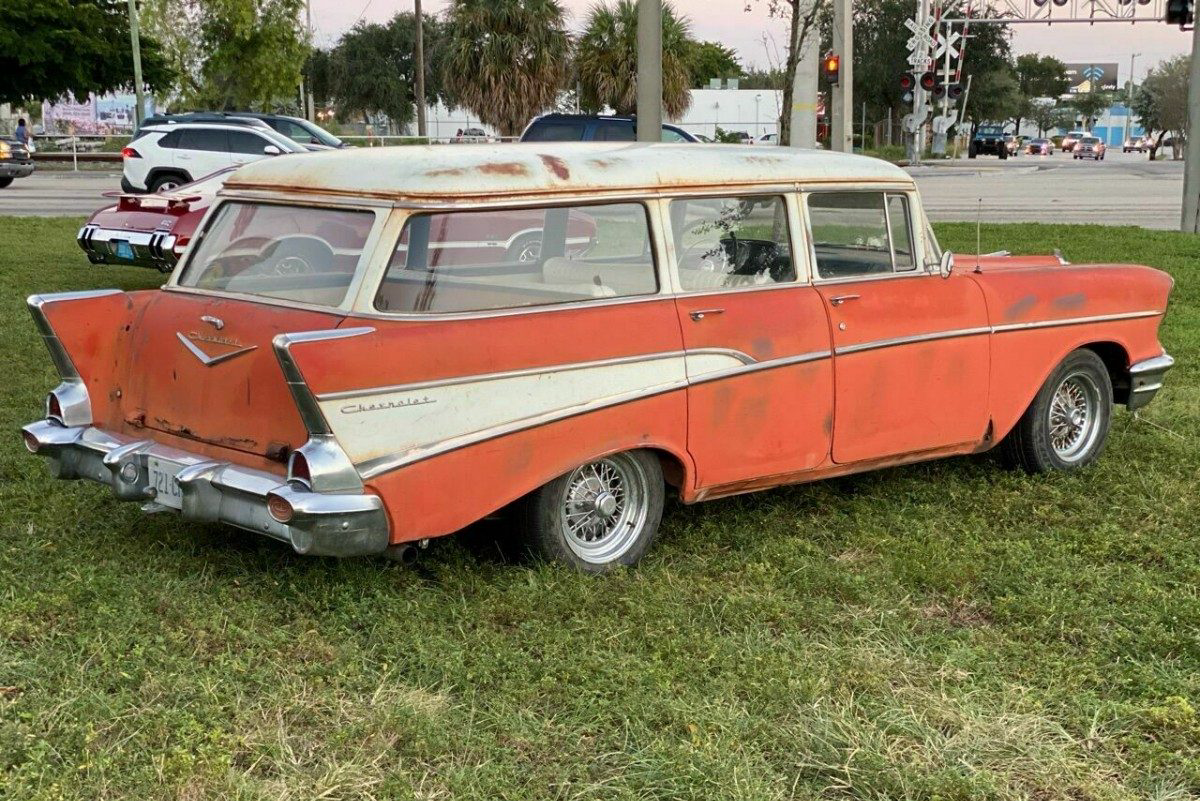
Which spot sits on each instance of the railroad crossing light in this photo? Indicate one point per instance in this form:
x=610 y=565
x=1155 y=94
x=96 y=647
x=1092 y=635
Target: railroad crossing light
x=907 y=81
x=954 y=91
x=832 y=66
x=1180 y=12
x=927 y=81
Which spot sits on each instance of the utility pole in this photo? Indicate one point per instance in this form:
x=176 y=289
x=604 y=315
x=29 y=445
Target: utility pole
x=139 y=110
x=1191 y=154
x=649 y=71
x=841 y=113
x=421 y=129
x=1129 y=97
x=309 y=111
x=802 y=124
x=920 y=62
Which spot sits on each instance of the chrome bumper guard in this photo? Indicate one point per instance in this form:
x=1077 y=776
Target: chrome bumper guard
x=1146 y=379
x=321 y=524
x=153 y=249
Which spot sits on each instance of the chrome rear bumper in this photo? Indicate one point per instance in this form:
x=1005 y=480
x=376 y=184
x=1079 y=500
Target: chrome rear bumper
x=321 y=524
x=1146 y=379
x=150 y=248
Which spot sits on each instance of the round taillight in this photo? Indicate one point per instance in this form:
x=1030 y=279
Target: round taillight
x=279 y=508
x=31 y=442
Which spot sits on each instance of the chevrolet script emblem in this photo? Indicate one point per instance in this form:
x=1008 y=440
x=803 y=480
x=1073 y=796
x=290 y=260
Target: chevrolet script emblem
x=193 y=340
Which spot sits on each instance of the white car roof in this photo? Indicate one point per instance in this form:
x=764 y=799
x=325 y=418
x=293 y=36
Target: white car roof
x=535 y=168
x=287 y=145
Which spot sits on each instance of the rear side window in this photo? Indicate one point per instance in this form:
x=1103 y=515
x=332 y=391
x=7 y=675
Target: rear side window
x=671 y=135
x=204 y=139
x=299 y=253
x=555 y=132
x=170 y=140
x=614 y=131
x=503 y=259
x=860 y=233
x=244 y=142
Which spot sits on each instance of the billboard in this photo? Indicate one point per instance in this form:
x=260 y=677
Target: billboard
x=96 y=114
x=1093 y=77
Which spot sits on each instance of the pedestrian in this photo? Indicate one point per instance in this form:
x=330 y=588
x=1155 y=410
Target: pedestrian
x=22 y=132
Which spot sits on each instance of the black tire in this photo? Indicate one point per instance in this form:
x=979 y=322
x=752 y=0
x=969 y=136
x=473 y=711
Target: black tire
x=5 y=181
x=972 y=151
x=167 y=180
x=1031 y=444
x=1003 y=153
x=617 y=543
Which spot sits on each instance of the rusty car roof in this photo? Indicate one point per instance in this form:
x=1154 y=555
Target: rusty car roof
x=465 y=171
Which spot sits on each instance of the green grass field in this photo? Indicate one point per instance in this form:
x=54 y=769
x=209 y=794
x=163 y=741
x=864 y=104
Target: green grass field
x=944 y=631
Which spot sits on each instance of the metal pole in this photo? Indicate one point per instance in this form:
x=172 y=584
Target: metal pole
x=649 y=71
x=1129 y=97
x=1190 y=222
x=962 y=117
x=841 y=132
x=916 y=144
x=139 y=109
x=863 y=133
x=421 y=129
x=309 y=110
x=803 y=121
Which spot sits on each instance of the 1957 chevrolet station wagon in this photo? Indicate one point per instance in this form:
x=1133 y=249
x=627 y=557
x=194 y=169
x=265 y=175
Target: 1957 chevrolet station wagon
x=347 y=358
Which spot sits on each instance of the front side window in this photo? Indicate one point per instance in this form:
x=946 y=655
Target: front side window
x=730 y=242
x=860 y=233
x=299 y=253
x=509 y=258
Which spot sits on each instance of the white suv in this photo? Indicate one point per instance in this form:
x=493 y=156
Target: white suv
x=162 y=157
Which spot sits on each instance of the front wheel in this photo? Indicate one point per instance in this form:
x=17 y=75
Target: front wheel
x=1066 y=426
x=600 y=515
x=5 y=181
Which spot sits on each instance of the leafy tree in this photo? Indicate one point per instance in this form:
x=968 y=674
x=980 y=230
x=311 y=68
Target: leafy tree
x=606 y=59
x=51 y=47
x=1090 y=105
x=706 y=60
x=1038 y=77
x=372 y=69
x=231 y=54
x=761 y=79
x=1161 y=101
x=1048 y=114
x=505 y=60
x=995 y=96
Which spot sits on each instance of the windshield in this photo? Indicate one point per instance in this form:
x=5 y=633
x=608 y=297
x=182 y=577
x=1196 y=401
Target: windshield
x=299 y=253
x=991 y=131
x=1089 y=140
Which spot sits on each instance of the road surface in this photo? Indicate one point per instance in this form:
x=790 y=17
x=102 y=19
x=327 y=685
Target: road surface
x=1124 y=189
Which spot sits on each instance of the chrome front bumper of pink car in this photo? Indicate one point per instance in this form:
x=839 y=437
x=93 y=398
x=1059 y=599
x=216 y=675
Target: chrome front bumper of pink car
x=316 y=523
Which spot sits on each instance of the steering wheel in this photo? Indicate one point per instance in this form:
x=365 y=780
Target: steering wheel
x=295 y=255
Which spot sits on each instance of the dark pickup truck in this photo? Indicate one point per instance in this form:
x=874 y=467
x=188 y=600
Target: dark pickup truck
x=15 y=161
x=988 y=140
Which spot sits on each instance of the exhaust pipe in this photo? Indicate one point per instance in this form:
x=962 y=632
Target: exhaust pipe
x=405 y=553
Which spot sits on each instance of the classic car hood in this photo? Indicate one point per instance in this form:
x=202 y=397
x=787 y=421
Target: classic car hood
x=203 y=368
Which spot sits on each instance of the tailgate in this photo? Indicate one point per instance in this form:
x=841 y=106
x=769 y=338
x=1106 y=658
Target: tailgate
x=203 y=368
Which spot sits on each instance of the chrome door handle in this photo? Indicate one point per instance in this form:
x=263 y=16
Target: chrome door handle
x=838 y=300
x=700 y=314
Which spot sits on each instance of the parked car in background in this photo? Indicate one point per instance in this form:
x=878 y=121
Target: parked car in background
x=740 y=137
x=768 y=139
x=149 y=230
x=15 y=161
x=1069 y=141
x=989 y=140
x=1089 y=147
x=472 y=135
x=166 y=156
x=1015 y=144
x=337 y=368
x=1040 y=147
x=1135 y=144
x=297 y=129
x=588 y=128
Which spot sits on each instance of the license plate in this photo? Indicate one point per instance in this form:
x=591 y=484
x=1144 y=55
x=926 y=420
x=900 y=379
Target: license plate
x=124 y=250
x=162 y=481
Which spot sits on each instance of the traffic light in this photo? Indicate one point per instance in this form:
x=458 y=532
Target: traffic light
x=1180 y=12
x=832 y=67
x=907 y=83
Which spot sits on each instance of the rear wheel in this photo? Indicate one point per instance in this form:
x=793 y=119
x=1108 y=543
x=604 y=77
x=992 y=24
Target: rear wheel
x=972 y=150
x=166 y=182
x=600 y=515
x=1066 y=426
x=5 y=182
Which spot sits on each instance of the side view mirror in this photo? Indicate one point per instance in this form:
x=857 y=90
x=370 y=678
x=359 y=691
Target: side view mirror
x=272 y=150
x=946 y=266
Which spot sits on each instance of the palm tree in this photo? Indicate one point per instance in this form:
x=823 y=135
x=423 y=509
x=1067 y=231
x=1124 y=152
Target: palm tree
x=606 y=59
x=505 y=60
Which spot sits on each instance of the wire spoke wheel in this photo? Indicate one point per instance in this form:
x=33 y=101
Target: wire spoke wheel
x=604 y=508
x=1074 y=416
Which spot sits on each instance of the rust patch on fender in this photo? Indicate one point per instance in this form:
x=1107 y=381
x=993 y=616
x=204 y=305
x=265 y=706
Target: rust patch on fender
x=504 y=168
x=445 y=171
x=1020 y=307
x=556 y=166
x=1073 y=301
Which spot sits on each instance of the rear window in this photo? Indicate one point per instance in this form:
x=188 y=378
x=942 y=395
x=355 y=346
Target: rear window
x=299 y=253
x=503 y=259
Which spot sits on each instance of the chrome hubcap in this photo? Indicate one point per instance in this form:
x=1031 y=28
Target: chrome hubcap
x=604 y=508
x=1074 y=417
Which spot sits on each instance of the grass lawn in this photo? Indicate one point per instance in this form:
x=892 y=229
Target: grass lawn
x=944 y=631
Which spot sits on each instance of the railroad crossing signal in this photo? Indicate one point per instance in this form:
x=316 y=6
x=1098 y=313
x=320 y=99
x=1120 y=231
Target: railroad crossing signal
x=831 y=65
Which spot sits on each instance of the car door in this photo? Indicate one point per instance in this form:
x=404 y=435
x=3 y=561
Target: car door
x=911 y=347
x=247 y=146
x=202 y=151
x=756 y=338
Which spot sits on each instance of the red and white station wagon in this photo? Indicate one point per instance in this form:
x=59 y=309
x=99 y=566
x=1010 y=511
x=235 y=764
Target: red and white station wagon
x=352 y=358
